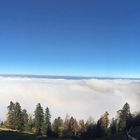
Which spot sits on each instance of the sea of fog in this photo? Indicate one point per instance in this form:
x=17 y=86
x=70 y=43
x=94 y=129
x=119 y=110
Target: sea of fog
x=79 y=97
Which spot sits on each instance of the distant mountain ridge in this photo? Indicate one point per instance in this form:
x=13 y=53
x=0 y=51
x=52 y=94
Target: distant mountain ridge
x=63 y=77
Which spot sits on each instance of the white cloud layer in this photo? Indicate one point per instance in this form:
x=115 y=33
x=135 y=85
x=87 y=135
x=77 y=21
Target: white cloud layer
x=80 y=98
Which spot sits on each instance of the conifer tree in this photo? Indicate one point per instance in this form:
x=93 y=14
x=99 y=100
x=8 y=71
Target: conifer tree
x=14 y=119
x=18 y=124
x=102 y=125
x=31 y=124
x=73 y=127
x=46 y=129
x=25 y=119
x=124 y=116
x=39 y=119
x=82 y=127
x=57 y=127
x=113 y=126
x=11 y=116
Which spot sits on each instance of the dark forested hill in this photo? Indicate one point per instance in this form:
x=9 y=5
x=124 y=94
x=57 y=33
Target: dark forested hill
x=123 y=136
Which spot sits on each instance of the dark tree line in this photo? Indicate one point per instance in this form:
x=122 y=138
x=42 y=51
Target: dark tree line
x=40 y=123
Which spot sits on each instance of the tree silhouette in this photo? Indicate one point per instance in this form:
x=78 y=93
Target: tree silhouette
x=19 y=124
x=39 y=119
x=47 y=123
x=113 y=126
x=11 y=116
x=14 y=119
x=124 y=117
x=25 y=119
x=57 y=127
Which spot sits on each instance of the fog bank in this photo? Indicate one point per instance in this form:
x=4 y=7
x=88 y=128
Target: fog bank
x=81 y=98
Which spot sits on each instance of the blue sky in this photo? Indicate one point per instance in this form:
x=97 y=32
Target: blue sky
x=70 y=37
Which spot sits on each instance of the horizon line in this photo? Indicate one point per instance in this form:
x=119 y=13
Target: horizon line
x=68 y=77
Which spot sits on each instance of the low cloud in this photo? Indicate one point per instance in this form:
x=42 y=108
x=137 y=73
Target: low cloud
x=80 y=98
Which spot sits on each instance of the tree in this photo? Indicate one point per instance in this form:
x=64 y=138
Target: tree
x=14 y=119
x=124 y=117
x=73 y=127
x=66 y=126
x=25 y=119
x=47 y=123
x=11 y=116
x=18 y=124
x=89 y=122
x=39 y=119
x=57 y=127
x=113 y=126
x=102 y=125
x=82 y=127
x=91 y=132
x=31 y=124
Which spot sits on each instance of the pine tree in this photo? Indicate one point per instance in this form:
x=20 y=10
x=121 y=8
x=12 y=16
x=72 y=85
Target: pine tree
x=113 y=126
x=124 y=116
x=73 y=127
x=66 y=126
x=90 y=122
x=30 y=124
x=46 y=129
x=102 y=125
x=14 y=119
x=11 y=116
x=18 y=124
x=39 y=119
x=25 y=119
x=57 y=127
x=82 y=127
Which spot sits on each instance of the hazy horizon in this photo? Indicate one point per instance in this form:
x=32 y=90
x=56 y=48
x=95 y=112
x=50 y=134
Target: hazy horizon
x=55 y=76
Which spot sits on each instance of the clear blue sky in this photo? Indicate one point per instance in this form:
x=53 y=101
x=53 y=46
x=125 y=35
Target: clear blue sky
x=70 y=37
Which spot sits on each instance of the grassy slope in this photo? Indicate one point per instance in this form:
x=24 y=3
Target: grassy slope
x=13 y=135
